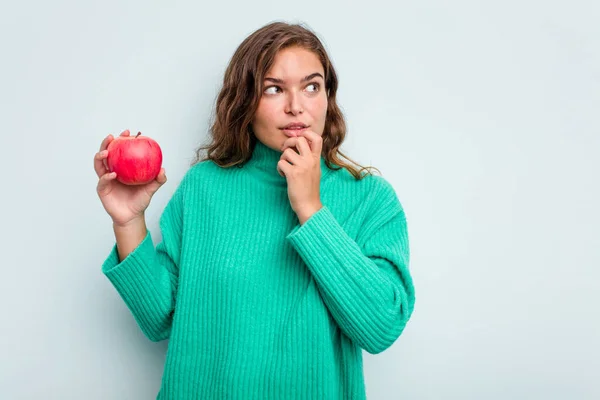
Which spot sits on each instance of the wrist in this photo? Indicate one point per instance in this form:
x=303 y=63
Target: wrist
x=133 y=224
x=129 y=236
x=307 y=212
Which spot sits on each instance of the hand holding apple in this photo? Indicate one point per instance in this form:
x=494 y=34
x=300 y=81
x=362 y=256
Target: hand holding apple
x=137 y=161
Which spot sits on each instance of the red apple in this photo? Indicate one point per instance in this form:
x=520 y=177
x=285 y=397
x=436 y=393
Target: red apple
x=136 y=159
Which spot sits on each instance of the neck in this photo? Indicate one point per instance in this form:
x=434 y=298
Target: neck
x=263 y=164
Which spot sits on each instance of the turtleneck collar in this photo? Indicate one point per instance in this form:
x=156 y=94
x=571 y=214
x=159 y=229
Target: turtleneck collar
x=263 y=164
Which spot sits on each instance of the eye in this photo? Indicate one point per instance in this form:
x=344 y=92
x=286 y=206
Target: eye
x=316 y=86
x=271 y=87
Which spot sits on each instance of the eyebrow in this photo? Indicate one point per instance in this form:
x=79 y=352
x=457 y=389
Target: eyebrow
x=306 y=78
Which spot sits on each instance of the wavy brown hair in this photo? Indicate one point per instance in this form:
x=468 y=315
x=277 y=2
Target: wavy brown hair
x=231 y=140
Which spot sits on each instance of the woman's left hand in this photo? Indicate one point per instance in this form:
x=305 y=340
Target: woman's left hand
x=303 y=175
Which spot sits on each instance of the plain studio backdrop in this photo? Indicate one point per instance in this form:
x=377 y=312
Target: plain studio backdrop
x=482 y=115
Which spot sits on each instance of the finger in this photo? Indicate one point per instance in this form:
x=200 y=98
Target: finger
x=125 y=133
x=303 y=146
x=104 y=182
x=316 y=141
x=291 y=156
x=100 y=163
x=105 y=142
x=157 y=183
x=162 y=177
x=283 y=168
x=291 y=143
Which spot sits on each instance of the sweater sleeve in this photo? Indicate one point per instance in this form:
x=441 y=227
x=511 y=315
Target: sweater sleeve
x=365 y=283
x=147 y=278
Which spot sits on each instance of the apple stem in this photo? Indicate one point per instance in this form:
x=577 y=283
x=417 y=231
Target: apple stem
x=139 y=133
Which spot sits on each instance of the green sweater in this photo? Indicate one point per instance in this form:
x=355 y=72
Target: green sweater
x=257 y=306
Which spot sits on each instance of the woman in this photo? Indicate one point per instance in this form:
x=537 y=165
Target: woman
x=278 y=262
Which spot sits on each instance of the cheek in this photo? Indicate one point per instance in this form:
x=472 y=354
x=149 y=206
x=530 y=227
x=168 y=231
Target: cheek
x=317 y=105
x=321 y=108
x=264 y=114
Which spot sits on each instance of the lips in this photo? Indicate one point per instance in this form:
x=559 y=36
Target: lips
x=292 y=132
x=295 y=125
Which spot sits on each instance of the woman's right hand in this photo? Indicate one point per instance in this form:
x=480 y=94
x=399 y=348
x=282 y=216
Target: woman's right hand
x=124 y=203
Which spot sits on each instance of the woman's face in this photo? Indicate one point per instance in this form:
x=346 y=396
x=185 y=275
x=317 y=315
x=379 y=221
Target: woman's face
x=294 y=92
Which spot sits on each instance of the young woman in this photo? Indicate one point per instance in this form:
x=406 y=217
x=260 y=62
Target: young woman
x=278 y=262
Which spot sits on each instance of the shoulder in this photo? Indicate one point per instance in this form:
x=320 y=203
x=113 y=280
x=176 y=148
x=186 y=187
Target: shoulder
x=386 y=193
x=374 y=189
x=194 y=179
x=201 y=172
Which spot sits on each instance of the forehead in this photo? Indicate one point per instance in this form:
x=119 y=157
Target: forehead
x=295 y=63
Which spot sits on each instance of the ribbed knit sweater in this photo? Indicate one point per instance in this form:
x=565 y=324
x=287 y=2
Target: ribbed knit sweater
x=258 y=306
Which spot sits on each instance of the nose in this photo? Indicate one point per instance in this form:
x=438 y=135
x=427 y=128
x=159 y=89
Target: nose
x=294 y=104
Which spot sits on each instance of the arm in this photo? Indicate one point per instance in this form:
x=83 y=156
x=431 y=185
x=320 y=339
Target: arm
x=365 y=284
x=146 y=277
x=129 y=236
